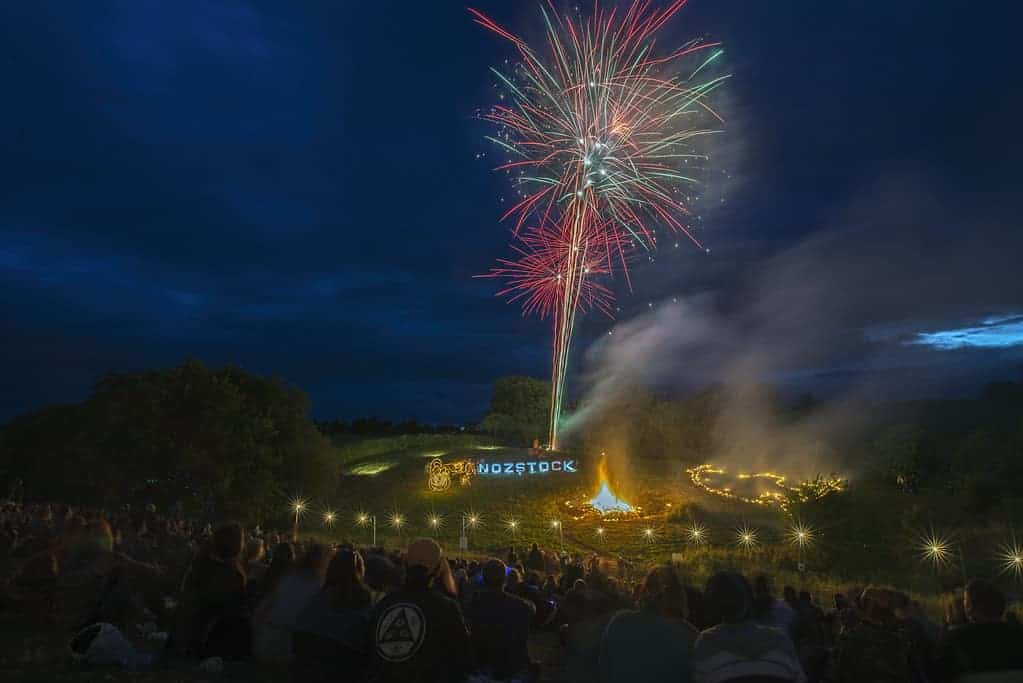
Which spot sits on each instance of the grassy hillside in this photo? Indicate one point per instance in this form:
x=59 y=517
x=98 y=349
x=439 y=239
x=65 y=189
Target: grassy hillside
x=392 y=484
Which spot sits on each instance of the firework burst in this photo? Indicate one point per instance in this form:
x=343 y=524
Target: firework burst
x=601 y=134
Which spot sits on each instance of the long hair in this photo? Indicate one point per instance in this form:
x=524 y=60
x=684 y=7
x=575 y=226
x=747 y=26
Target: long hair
x=729 y=597
x=315 y=560
x=345 y=585
x=663 y=591
x=444 y=580
x=763 y=598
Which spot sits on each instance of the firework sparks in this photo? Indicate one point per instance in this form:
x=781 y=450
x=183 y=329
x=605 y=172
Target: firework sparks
x=601 y=136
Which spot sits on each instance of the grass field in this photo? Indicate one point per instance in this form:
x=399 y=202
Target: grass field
x=392 y=485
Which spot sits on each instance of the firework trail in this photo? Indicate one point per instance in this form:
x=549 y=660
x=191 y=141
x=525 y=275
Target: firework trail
x=601 y=132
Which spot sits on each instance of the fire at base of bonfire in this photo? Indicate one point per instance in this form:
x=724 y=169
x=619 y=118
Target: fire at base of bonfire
x=606 y=501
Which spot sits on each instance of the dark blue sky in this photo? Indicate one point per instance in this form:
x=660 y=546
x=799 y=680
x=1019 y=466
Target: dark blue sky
x=292 y=187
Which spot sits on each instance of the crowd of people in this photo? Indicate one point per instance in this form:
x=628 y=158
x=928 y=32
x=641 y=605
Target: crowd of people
x=140 y=590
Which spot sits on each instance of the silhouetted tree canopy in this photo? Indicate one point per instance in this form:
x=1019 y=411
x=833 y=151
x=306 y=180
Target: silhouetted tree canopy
x=225 y=438
x=519 y=409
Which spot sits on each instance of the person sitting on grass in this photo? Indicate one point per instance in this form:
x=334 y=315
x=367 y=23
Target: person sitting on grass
x=282 y=561
x=212 y=616
x=417 y=633
x=81 y=578
x=877 y=648
x=499 y=622
x=652 y=644
x=770 y=611
x=255 y=554
x=276 y=614
x=332 y=629
x=738 y=648
x=986 y=642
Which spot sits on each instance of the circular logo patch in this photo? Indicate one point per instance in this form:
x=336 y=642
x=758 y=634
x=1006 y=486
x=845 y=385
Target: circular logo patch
x=400 y=632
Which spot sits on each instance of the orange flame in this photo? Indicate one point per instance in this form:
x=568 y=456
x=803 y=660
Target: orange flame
x=606 y=500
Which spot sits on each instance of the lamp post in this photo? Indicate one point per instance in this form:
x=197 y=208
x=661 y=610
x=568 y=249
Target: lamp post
x=397 y=521
x=556 y=524
x=364 y=519
x=298 y=507
x=470 y=521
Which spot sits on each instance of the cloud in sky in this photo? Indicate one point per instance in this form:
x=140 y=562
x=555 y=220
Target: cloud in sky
x=992 y=333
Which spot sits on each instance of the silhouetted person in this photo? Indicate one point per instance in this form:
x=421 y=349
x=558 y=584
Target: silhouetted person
x=417 y=633
x=331 y=630
x=652 y=644
x=499 y=623
x=212 y=619
x=875 y=649
x=738 y=647
x=535 y=560
x=986 y=643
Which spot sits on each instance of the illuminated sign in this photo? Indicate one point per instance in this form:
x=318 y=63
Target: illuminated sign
x=440 y=475
x=525 y=467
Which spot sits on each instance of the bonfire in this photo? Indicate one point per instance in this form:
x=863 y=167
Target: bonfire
x=607 y=501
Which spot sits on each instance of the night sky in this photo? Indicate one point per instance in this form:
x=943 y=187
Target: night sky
x=294 y=187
